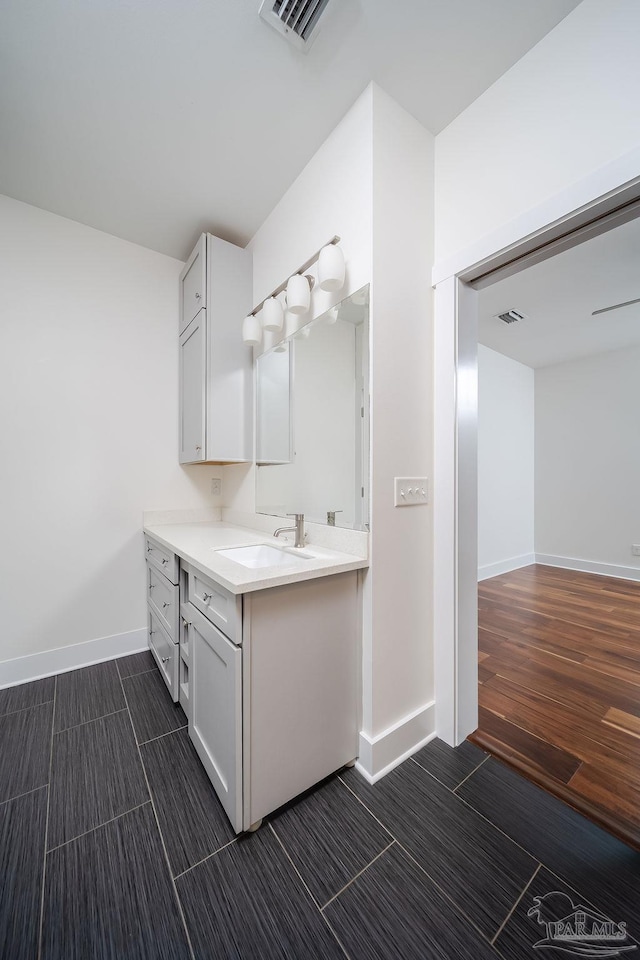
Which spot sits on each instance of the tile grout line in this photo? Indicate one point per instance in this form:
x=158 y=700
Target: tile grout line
x=475 y=770
x=445 y=894
x=513 y=908
x=83 y=723
x=459 y=910
x=46 y=825
x=204 y=859
x=155 y=815
x=542 y=863
x=12 y=713
x=98 y=827
x=143 y=743
x=311 y=896
x=359 y=874
x=19 y=796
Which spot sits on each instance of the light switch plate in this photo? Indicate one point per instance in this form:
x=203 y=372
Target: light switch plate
x=216 y=486
x=410 y=491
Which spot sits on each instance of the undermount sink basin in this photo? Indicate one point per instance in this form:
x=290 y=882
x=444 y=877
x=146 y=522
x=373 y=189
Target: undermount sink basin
x=263 y=555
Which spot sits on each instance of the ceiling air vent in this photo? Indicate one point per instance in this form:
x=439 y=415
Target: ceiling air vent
x=296 y=20
x=511 y=316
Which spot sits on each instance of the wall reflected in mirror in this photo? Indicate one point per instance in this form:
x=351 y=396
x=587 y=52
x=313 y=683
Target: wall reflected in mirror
x=312 y=419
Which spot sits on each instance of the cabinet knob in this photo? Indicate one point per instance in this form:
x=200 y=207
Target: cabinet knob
x=151 y=632
x=165 y=659
x=148 y=548
x=164 y=560
x=197 y=296
x=206 y=597
x=186 y=623
x=151 y=586
x=198 y=447
x=165 y=605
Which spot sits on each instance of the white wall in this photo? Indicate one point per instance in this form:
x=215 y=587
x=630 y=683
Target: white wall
x=567 y=108
x=371 y=183
x=88 y=390
x=402 y=416
x=331 y=196
x=505 y=463
x=587 y=455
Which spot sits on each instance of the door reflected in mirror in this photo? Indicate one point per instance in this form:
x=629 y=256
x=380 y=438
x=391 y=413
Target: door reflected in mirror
x=312 y=419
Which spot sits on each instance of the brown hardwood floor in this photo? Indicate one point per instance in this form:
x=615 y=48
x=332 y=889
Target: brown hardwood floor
x=559 y=672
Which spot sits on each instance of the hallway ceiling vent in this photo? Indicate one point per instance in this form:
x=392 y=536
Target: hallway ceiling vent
x=296 y=20
x=511 y=316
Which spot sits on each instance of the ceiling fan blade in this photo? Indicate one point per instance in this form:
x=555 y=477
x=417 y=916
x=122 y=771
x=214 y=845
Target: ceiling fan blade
x=616 y=306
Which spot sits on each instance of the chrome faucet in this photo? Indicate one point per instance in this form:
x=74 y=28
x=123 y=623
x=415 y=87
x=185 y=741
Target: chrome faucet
x=298 y=529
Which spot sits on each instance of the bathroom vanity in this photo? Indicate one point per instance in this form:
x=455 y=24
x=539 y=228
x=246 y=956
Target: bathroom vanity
x=264 y=659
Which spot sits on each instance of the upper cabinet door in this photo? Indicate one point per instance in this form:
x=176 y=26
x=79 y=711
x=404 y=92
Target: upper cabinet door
x=193 y=284
x=193 y=371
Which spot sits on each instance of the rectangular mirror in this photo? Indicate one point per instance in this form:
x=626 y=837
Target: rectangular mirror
x=312 y=419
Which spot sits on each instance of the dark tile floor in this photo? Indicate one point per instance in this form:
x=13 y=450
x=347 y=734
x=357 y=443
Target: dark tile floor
x=113 y=846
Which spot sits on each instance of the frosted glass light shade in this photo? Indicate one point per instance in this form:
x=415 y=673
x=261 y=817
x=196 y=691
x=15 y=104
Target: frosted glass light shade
x=331 y=268
x=251 y=331
x=272 y=315
x=298 y=294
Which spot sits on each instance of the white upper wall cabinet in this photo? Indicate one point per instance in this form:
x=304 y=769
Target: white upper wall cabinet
x=193 y=283
x=216 y=368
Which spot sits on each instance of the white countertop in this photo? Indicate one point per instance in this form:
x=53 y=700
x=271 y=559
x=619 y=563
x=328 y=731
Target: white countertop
x=198 y=543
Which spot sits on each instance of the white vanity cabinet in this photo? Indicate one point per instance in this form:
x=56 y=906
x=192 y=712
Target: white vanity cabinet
x=215 y=368
x=273 y=687
x=162 y=568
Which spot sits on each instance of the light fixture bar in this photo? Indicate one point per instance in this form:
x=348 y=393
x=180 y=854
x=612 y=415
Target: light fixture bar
x=301 y=269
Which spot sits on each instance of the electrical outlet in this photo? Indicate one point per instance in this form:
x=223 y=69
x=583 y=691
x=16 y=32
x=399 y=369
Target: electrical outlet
x=635 y=549
x=410 y=491
x=216 y=486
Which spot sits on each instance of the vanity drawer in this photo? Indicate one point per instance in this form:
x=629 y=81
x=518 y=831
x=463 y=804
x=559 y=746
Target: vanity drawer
x=217 y=604
x=162 y=558
x=163 y=600
x=165 y=652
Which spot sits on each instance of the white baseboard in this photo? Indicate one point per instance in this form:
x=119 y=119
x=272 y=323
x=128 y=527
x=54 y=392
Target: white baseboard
x=62 y=659
x=505 y=566
x=380 y=754
x=589 y=566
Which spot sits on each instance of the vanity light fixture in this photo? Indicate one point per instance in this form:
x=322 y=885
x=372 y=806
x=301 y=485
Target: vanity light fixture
x=297 y=296
x=299 y=293
x=272 y=315
x=331 y=268
x=251 y=331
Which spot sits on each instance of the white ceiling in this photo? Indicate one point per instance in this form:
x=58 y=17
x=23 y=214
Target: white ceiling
x=156 y=119
x=560 y=294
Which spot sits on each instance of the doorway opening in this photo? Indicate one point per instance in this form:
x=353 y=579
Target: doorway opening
x=456 y=594
x=558 y=475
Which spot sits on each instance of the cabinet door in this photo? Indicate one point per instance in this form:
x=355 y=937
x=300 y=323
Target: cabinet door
x=192 y=390
x=215 y=720
x=193 y=281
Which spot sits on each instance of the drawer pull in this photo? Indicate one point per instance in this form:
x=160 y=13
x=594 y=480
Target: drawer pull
x=164 y=560
x=165 y=659
x=206 y=597
x=186 y=623
x=149 y=548
x=151 y=586
x=165 y=605
x=197 y=296
x=151 y=632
